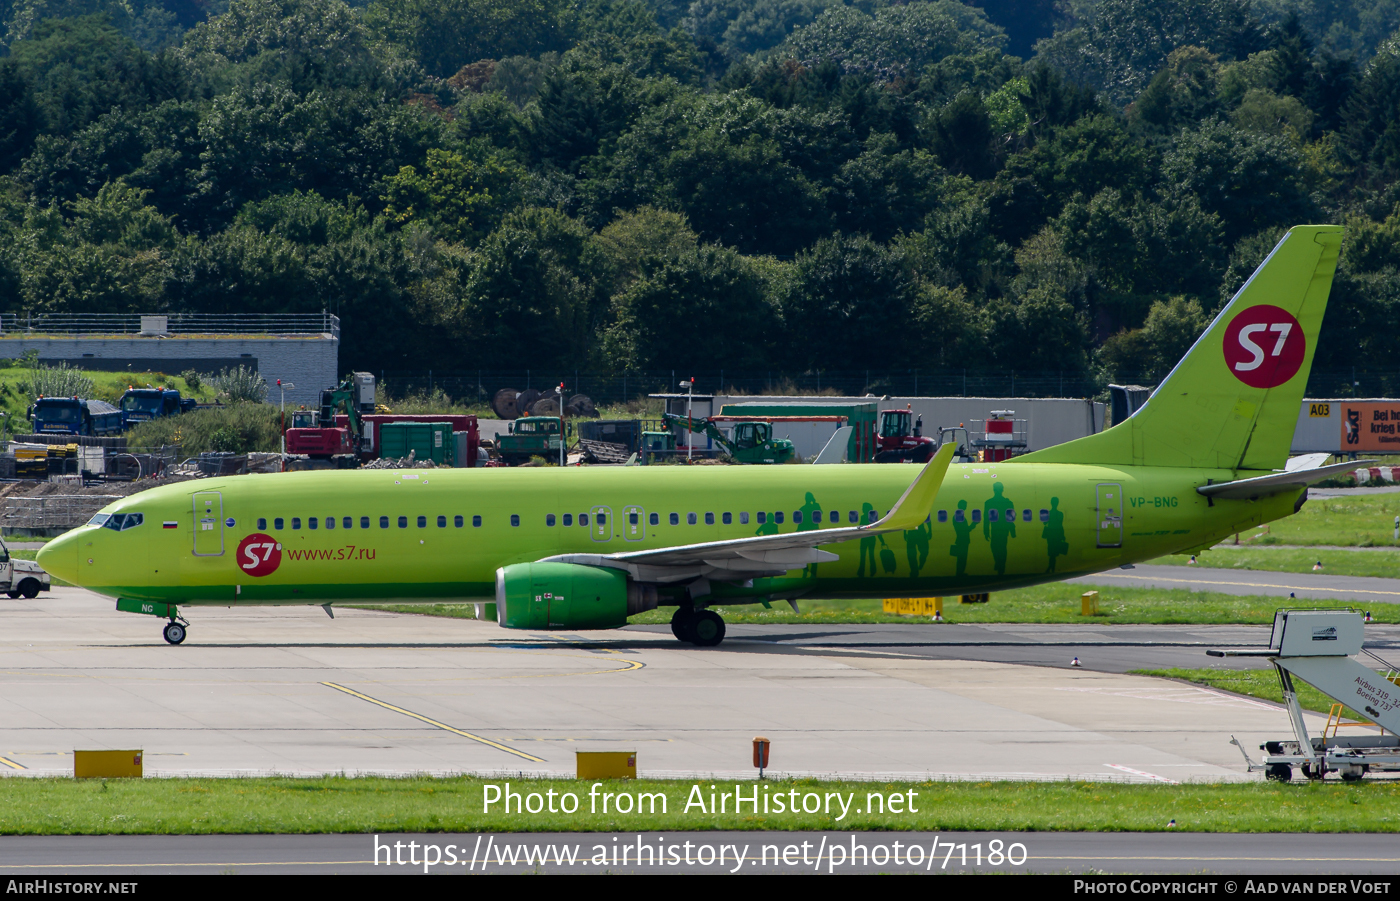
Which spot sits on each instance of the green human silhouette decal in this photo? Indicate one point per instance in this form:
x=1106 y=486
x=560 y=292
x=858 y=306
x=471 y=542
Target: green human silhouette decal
x=867 y=546
x=962 y=537
x=1054 y=533
x=768 y=527
x=810 y=511
x=916 y=542
x=998 y=524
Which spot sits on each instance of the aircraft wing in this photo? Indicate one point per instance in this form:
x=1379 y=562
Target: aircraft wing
x=1277 y=482
x=745 y=558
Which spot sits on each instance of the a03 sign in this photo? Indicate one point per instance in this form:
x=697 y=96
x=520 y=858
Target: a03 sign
x=1264 y=346
x=259 y=555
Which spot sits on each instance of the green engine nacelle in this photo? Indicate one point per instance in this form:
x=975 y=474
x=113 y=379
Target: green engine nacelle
x=567 y=596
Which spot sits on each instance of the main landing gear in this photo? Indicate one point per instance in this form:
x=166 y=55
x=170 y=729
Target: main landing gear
x=698 y=627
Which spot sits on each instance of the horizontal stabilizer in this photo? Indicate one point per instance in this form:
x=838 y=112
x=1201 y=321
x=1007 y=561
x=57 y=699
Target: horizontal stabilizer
x=1276 y=482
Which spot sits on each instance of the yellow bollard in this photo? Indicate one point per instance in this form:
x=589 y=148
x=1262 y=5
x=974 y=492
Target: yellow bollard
x=1089 y=603
x=891 y=605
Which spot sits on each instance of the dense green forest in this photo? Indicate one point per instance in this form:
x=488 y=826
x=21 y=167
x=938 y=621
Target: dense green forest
x=628 y=185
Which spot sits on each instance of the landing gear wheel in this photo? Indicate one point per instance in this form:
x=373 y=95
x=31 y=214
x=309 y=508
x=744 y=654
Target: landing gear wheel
x=30 y=588
x=681 y=622
x=1279 y=772
x=13 y=594
x=174 y=633
x=706 y=629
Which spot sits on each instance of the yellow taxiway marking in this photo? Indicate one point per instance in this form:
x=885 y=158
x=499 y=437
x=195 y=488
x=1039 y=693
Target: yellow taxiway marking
x=12 y=765
x=432 y=722
x=1247 y=584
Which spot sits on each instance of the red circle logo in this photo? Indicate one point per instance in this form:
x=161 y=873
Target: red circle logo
x=259 y=555
x=1264 y=346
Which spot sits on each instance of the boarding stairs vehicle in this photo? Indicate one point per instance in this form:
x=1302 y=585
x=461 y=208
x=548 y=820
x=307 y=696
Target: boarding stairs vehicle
x=1317 y=646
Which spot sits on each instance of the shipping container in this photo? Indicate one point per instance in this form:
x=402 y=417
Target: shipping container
x=426 y=440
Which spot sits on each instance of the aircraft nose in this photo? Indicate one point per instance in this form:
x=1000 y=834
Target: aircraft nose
x=59 y=557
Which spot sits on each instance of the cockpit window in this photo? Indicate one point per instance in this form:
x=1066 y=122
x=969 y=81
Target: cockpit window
x=99 y=519
x=119 y=522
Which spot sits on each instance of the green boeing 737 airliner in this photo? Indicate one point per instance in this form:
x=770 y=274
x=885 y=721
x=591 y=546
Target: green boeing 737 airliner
x=584 y=548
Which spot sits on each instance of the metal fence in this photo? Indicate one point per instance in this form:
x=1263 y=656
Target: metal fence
x=54 y=511
x=609 y=388
x=65 y=325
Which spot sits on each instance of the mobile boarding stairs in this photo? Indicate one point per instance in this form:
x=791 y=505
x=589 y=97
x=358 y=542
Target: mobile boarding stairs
x=1317 y=646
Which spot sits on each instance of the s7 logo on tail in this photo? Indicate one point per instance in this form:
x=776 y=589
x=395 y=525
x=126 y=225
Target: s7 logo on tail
x=1264 y=346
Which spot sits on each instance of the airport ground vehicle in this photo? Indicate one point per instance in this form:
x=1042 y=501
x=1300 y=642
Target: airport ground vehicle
x=747 y=442
x=75 y=416
x=21 y=577
x=900 y=438
x=531 y=436
x=585 y=548
x=142 y=404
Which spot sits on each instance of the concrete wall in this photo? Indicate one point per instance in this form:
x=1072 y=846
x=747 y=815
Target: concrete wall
x=311 y=363
x=1049 y=420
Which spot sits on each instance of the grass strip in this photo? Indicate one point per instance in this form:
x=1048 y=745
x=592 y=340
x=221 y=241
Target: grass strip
x=1380 y=564
x=1053 y=603
x=1351 y=521
x=338 y=804
x=1257 y=683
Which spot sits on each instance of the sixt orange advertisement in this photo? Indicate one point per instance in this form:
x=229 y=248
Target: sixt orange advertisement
x=1370 y=426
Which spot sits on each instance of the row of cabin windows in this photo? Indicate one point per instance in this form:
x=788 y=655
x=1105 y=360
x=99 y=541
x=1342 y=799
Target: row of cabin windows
x=833 y=516
x=348 y=522
x=992 y=515
x=761 y=517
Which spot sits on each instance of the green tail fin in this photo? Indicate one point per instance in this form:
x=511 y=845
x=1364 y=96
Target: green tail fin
x=1232 y=402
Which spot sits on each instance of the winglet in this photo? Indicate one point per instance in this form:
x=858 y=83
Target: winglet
x=914 y=506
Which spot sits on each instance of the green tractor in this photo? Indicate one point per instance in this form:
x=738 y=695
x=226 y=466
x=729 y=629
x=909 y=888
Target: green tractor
x=750 y=442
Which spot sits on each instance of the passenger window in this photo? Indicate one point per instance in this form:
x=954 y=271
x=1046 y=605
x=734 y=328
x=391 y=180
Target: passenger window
x=422 y=522
x=296 y=522
x=457 y=522
x=976 y=515
x=959 y=516
x=330 y=522
x=675 y=519
x=311 y=522
x=762 y=517
x=632 y=519
x=277 y=523
x=873 y=515
x=1025 y=516
x=728 y=518
x=1044 y=515
x=654 y=519
x=602 y=519
x=853 y=516
x=349 y=522
x=583 y=519
x=476 y=522
x=262 y=525
x=442 y=522
x=991 y=516
x=364 y=522
x=942 y=515
x=383 y=522
x=797 y=516
x=816 y=516
x=778 y=517
x=549 y=519
x=515 y=519
x=744 y=518
x=690 y=519
x=403 y=522
x=568 y=519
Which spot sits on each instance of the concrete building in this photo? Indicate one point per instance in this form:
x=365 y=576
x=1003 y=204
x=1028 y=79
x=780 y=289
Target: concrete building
x=302 y=349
